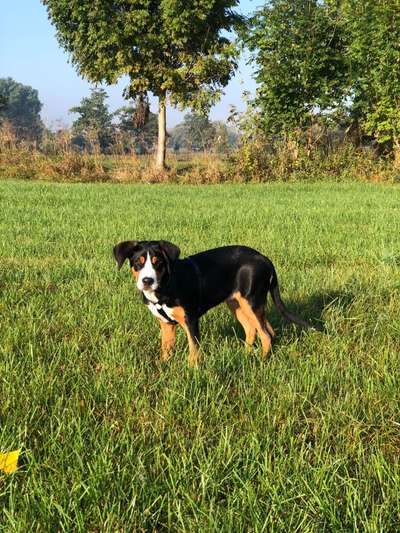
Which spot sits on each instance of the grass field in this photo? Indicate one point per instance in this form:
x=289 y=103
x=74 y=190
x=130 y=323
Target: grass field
x=113 y=440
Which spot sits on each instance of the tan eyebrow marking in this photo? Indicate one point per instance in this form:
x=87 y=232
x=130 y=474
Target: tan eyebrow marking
x=154 y=260
x=142 y=259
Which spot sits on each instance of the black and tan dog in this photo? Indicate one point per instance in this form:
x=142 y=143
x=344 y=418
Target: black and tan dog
x=180 y=291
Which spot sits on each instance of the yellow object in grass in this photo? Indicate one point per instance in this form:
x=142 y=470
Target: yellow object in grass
x=9 y=461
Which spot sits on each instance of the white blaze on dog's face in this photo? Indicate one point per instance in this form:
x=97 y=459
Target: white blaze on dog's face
x=147 y=279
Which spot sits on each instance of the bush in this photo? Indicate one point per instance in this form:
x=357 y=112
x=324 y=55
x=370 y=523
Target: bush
x=55 y=160
x=25 y=163
x=258 y=160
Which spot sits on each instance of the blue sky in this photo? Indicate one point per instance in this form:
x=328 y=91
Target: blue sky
x=30 y=54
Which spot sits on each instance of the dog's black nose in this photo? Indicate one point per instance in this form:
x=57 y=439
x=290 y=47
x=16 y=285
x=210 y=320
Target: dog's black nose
x=148 y=281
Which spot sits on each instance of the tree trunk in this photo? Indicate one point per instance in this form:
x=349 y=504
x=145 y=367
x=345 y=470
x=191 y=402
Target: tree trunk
x=162 y=133
x=396 y=153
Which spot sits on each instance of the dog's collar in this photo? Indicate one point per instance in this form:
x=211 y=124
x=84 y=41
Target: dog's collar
x=161 y=311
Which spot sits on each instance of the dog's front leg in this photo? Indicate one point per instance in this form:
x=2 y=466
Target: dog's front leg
x=191 y=326
x=168 y=337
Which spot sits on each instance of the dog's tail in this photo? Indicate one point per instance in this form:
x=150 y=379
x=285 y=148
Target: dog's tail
x=276 y=297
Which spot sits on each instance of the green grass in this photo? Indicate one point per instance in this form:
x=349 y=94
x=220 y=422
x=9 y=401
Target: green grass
x=113 y=440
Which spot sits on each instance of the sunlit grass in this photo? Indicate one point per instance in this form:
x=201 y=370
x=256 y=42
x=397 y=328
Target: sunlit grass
x=115 y=441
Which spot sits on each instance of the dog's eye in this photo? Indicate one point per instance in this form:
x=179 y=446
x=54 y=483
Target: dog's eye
x=138 y=262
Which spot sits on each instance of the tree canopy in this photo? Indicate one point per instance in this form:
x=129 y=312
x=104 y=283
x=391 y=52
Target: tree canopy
x=374 y=59
x=195 y=133
x=299 y=50
x=20 y=105
x=198 y=133
x=94 y=122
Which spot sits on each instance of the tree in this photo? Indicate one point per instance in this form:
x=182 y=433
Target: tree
x=173 y=49
x=299 y=48
x=198 y=133
x=225 y=138
x=139 y=135
x=3 y=102
x=20 y=105
x=374 y=56
x=195 y=133
x=94 y=124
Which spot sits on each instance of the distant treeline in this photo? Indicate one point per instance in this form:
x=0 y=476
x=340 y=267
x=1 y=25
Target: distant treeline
x=130 y=129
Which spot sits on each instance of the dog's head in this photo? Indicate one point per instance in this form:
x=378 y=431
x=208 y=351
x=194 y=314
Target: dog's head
x=150 y=261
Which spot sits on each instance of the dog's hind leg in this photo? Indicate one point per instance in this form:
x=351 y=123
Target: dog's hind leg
x=249 y=329
x=257 y=321
x=270 y=329
x=260 y=313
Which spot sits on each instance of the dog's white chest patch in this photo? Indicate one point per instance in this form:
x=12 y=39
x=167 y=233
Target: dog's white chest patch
x=155 y=309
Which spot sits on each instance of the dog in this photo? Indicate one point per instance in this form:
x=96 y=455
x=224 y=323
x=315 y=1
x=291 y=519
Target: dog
x=179 y=291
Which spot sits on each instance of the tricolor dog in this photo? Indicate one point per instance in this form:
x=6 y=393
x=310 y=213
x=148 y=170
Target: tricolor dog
x=180 y=291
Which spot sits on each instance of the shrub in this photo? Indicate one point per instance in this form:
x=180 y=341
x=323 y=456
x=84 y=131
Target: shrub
x=258 y=160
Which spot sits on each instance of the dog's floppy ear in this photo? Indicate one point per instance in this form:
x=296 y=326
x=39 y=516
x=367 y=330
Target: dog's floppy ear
x=124 y=250
x=171 y=250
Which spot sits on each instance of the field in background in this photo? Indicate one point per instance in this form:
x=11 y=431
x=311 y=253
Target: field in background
x=115 y=441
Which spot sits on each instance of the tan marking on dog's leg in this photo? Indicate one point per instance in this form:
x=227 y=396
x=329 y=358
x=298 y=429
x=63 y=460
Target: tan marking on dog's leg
x=194 y=351
x=255 y=321
x=178 y=314
x=168 y=338
x=249 y=330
